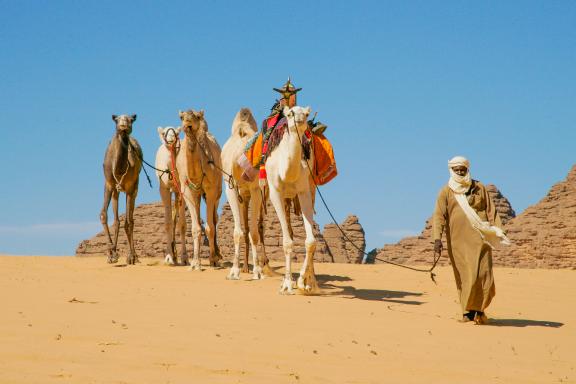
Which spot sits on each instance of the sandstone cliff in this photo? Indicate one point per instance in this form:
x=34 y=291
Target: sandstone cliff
x=149 y=239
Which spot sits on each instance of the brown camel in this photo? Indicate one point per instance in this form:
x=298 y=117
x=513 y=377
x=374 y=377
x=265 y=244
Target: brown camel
x=198 y=164
x=122 y=164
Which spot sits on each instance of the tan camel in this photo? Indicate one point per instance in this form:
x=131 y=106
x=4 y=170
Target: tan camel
x=122 y=164
x=174 y=216
x=288 y=176
x=198 y=164
x=247 y=194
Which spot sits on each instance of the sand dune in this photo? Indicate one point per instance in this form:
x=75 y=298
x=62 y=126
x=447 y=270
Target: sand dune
x=79 y=320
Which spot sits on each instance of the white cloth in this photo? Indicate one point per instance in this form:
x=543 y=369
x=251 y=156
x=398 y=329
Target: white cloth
x=457 y=183
x=492 y=235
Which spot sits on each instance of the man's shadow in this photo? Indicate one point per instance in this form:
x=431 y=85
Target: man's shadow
x=523 y=323
x=350 y=292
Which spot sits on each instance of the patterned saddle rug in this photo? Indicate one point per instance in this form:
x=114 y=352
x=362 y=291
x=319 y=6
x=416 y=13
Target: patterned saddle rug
x=263 y=143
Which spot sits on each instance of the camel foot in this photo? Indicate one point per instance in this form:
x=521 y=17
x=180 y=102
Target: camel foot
x=257 y=273
x=286 y=286
x=132 y=259
x=170 y=260
x=113 y=258
x=307 y=284
x=234 y=274
x=195 y=265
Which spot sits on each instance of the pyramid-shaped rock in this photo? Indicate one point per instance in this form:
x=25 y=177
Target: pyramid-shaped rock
x=544 y=235
x=149 y=237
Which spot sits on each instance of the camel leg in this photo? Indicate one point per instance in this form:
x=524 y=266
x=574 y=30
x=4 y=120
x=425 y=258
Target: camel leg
x=287 y=242
x=116 y=223
x=129 y=226
x=112 y=254
x=245 y=207
x=193 y=203
x=287 y=206
x=210 y=229
x=232 y=197
x=307 y=279
x=264 y=262
x=182 y=227
x=255 y=238
x=166 y=196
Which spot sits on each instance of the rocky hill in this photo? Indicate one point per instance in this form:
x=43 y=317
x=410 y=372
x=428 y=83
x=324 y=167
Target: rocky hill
x=149 y=239
x=419 y=249
x=543 y=236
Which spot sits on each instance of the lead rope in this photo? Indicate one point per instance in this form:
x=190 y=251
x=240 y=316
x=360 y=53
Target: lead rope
x=436 y=259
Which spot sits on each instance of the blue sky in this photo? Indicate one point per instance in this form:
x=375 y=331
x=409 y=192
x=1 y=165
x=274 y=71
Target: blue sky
x=402 y=85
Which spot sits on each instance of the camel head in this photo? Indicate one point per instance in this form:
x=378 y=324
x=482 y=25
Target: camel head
x=124 y=124
x=297 y=117
x=192 y=121
x=244 y=123
x=168 y=135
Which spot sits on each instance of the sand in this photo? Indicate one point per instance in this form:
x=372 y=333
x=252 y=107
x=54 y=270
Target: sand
x=80 y=320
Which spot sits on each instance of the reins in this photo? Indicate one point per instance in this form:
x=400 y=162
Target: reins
x=436 y=259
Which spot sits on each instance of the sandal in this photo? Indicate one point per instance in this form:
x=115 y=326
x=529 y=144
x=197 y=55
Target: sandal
x=480 y=318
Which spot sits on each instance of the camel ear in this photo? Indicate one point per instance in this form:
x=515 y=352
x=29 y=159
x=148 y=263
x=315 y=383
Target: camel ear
x=308 y=110
x=160 y=130
x=133 y=117
x=286 y=110
x=180 y=114
x=177 y=130
x=201 y=113
x=114 y=117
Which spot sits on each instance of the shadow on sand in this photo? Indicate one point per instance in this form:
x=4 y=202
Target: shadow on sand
x=350 y=292
x=523 y=323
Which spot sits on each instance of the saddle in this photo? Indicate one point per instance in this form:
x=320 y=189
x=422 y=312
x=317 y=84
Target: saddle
x=260 y=146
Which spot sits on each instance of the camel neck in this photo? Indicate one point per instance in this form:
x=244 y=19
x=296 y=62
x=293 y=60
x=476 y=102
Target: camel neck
x=121 y=153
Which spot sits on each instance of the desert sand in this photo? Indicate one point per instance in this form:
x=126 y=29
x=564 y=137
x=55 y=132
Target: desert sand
x=80 y=320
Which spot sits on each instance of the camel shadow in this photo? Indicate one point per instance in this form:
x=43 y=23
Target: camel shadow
x=350 y=292
x=523 y=323
x=323 y=279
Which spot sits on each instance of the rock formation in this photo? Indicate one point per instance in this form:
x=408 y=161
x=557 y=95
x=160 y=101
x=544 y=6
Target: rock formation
x=543 y=236
x=419 y=249
x=149 y=237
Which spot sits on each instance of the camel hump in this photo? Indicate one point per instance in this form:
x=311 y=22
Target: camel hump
x=244 y=114
x=244 y=123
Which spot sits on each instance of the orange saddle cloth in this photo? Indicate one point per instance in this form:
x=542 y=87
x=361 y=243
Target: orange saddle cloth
x=324 y=161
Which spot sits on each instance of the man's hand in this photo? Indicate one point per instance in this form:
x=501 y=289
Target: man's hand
x=437 y=246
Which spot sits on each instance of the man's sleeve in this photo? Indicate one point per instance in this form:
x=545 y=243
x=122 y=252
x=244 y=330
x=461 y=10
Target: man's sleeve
x=440 y=215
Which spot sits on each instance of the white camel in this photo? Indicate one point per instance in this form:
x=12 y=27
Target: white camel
x=247 y=194
x=289 y=176
x=169 y=184
x=198 y=164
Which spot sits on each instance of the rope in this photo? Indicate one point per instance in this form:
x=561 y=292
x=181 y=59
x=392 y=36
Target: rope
x=436 y=259
x=231 y=182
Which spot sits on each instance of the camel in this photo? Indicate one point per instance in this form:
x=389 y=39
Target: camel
x=288 y=177
x=122 y=164
x=244 y=194
x=198 y=164
x=168 y=183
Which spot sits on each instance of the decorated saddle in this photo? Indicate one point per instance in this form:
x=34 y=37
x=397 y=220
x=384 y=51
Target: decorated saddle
x=259 y=147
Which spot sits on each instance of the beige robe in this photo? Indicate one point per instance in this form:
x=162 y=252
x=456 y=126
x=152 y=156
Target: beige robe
x=471 y=258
